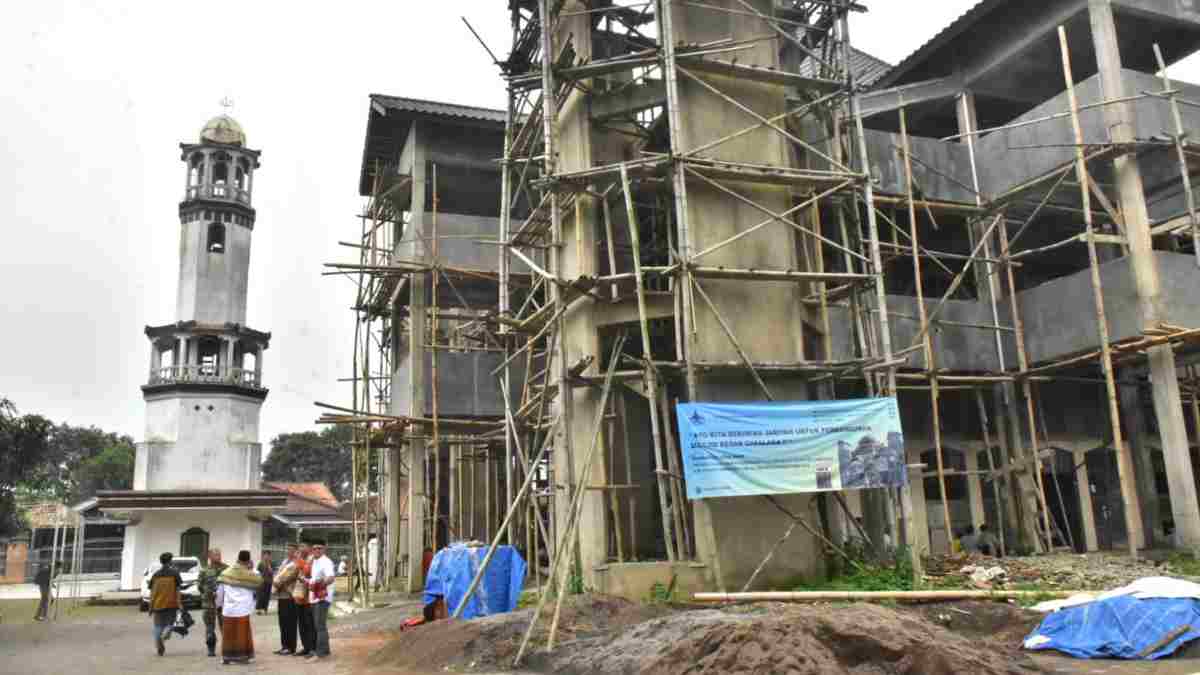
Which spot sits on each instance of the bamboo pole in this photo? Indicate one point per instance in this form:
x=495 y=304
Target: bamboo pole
x=930 y=363
x=575 y=508
x=1133 y=516
x=858 y=596
x=987 y=445
x=1185 y=176
x=651 y=376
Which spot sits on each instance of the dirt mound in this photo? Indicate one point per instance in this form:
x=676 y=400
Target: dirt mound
x=491 y=642
x=813 y=640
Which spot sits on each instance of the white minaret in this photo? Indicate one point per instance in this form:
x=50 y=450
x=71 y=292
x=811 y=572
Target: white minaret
x=196 y=477
x=205 y=387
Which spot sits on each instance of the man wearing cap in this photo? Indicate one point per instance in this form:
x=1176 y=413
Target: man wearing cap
x=320 y=585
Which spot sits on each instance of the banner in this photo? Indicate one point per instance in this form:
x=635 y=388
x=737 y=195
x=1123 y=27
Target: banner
x=741 y=449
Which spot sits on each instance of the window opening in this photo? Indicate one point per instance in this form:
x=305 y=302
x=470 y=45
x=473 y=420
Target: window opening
x=216 y=238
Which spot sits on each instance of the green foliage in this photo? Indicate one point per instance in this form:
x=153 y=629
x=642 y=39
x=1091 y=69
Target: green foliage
x=111 y=469
x=575 y=582
x=323 y=456
x=895 y=574
x=662 y=594
x=1041 y=594
x=1184 y=564
x=24 y=451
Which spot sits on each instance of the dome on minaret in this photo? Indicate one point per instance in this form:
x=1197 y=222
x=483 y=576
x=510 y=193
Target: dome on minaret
x=223 y=129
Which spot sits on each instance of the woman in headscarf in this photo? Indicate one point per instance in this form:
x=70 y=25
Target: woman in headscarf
x=236 y=590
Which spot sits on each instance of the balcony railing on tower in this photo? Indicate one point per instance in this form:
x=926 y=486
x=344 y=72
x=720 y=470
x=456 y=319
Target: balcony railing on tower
x=218 y=191
x=204 y=374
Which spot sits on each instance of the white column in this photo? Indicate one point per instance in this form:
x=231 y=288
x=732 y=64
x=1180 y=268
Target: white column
x=1087 y=515
x=228 y=357
x=258 y=356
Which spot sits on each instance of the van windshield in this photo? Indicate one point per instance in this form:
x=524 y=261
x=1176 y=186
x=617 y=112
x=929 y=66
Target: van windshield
x=184 y=565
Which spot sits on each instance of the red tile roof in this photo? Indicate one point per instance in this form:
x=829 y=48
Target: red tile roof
x=303 y=497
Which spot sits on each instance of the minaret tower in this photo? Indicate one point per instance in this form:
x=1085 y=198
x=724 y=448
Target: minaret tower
x=205 y=388
x=196 y=476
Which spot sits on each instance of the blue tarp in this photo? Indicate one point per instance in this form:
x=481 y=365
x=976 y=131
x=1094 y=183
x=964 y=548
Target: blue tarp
x=454 y=567
x=1121 y=627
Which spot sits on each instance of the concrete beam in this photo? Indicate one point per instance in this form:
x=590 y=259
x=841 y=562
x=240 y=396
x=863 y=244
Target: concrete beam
x=886 y=100
x=627 y=100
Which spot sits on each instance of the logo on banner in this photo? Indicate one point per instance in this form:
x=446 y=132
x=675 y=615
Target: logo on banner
x=696 y=418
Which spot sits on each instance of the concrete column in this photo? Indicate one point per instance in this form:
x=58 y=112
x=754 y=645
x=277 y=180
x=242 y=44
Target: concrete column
x=258 y=357
x=920 y=518
x=1087 y=514
x=155 y=359
x=1133 y=424
x=418 y=491
x=975 y=489
x=225 y=363
x=1168 y=405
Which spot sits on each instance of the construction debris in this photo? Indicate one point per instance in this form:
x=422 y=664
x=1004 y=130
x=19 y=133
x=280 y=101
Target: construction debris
x=1092 y=571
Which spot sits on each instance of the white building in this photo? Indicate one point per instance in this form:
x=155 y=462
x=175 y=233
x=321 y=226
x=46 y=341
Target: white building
x=196 y=479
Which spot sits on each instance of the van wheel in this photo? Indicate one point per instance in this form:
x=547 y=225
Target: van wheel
x=144 y=606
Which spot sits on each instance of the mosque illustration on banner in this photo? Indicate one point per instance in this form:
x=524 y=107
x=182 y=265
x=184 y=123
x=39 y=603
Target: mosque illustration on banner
x=871 y=464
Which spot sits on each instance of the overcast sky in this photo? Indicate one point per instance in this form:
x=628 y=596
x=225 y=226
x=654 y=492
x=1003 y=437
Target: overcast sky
x=100 y=94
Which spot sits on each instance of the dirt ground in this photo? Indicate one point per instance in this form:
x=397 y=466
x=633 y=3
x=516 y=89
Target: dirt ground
x=612 y=636
x=117 y=641
x=597 y=635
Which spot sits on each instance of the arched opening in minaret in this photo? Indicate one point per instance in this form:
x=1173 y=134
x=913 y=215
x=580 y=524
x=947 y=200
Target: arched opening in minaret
x=216 y=238
x=243 y=174
x=208 y=350
x=220 y=173
x=196 y=169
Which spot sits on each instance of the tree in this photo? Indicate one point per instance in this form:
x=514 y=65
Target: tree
x=71 y=448
x=24 y=451
x=111 y=469
x=309 y=456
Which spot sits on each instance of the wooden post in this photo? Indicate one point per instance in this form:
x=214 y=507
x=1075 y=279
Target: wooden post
x=651 y=376
x=1133 y=516
x=930 y=361
x=1168 y=404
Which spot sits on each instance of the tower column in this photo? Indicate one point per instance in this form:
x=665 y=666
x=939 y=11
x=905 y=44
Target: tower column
x=258 y=356
x=1164 y=381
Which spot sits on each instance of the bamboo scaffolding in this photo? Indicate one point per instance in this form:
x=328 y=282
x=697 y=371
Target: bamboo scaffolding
x=1132 y=509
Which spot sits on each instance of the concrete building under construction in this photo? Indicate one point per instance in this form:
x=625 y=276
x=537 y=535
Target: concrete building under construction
x=727 y=201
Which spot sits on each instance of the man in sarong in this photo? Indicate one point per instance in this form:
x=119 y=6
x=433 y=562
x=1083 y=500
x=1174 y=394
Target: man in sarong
x=236 y=588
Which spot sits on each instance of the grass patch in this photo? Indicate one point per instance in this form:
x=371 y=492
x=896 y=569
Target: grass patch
x=891 y=574
x=22 y=611
x=1184 y=564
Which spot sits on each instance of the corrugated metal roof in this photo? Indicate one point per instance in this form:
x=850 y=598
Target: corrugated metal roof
x=437 y=108
x=951 y=31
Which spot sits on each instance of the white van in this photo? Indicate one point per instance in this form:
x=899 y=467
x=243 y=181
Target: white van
x=189 y=571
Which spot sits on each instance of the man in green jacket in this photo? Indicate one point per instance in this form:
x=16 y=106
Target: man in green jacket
x=208 y=592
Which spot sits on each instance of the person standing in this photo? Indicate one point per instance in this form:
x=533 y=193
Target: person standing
x=164 y=586
x=283 y=584
x=267 y=572
x=208 y=591
x=321 y=585
x=236 y=588
x=304 y=615
x=42 y=579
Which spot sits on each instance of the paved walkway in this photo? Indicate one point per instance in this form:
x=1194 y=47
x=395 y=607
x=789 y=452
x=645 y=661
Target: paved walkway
x=118 y=642
x=89 y=586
